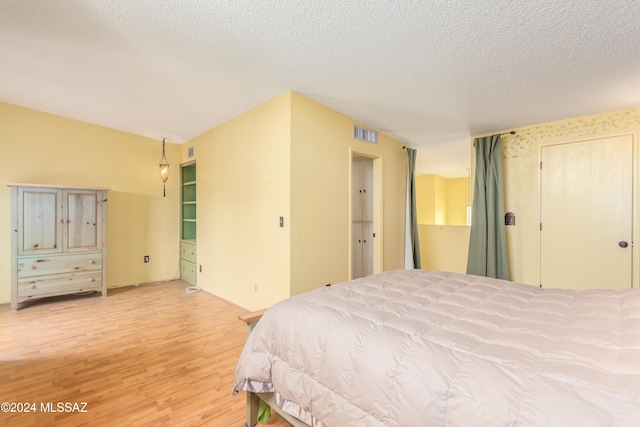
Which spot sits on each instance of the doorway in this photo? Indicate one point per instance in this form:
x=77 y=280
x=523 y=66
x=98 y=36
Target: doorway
x=365 y=215
x=587 y=214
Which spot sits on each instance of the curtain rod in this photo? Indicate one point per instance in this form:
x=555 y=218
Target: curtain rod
x=513 y=132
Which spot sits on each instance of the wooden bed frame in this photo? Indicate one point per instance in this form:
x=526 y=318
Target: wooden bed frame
x=253 y=399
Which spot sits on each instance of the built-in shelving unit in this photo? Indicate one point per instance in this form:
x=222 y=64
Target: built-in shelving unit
x=188 y=271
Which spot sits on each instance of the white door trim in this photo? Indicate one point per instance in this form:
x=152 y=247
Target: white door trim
x=378 y=220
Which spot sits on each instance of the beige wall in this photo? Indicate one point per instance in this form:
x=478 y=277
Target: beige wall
x=321 y=151
x=520 y=171
x=47 y=149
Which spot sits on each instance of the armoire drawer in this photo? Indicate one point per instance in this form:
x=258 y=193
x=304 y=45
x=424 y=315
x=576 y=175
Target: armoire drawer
x=57 y=264
x=59 y=283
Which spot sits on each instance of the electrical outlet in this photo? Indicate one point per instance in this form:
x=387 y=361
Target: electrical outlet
x=255 y=287
x=146 y=258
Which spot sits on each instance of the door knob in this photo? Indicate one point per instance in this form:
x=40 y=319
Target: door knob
x=623 y=244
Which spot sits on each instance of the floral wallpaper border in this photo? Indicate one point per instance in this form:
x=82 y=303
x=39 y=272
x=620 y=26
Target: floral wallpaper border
x=526 y=140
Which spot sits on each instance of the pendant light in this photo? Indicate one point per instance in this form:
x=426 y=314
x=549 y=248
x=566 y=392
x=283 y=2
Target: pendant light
x=164 y=170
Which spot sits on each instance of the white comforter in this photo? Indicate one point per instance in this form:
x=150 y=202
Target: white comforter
x=420 y=348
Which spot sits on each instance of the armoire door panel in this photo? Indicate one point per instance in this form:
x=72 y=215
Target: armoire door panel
x=41 y=221
x=82 y=222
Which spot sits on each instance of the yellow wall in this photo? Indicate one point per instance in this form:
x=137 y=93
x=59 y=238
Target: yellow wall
x=289 y=157
x=442 y=218
x=47 y=149
x=444 y=247
x=442 y=201
x=457 y=199
x=431 y=199
x=321 y=150
x=520 y=172
x=425 y=199
x=243 y=188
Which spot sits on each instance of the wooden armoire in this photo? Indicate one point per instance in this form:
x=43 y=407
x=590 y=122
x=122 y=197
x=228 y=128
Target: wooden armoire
x=58 y=241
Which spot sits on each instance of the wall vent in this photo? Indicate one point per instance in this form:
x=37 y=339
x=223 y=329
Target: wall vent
x=190 y=152
x=365 y=134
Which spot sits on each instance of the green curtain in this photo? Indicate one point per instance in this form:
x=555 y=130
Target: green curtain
x=412 y=250
x=488 y=243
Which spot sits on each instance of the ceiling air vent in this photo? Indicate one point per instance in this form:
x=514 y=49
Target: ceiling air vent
x=365 y=134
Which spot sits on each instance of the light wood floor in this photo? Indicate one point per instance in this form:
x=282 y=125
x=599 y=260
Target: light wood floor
x=143 y=356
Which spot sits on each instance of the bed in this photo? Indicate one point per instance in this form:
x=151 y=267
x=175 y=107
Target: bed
x=423 y=348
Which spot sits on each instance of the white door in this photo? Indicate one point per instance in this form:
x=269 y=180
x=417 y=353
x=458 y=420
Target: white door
x=586 y=210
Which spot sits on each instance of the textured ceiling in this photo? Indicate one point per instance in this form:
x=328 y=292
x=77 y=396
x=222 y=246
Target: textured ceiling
x=428 y=73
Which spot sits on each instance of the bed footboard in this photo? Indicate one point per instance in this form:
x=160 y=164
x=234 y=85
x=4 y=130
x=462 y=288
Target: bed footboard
x=251 y=319
x=253 y=400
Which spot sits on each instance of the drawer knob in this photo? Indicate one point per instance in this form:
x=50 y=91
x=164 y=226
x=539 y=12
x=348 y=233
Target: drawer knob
x=32 y=285
x=91 y=261
x=32 y=267
x=93 y=279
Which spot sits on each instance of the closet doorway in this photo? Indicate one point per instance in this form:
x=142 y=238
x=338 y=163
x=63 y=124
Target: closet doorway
x=366 y=215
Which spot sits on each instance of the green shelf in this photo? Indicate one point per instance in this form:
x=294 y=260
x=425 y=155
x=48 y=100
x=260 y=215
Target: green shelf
x=188 y=230
x=189 y=210
x=189 y=173
x=188 y=224
x=189 y=193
